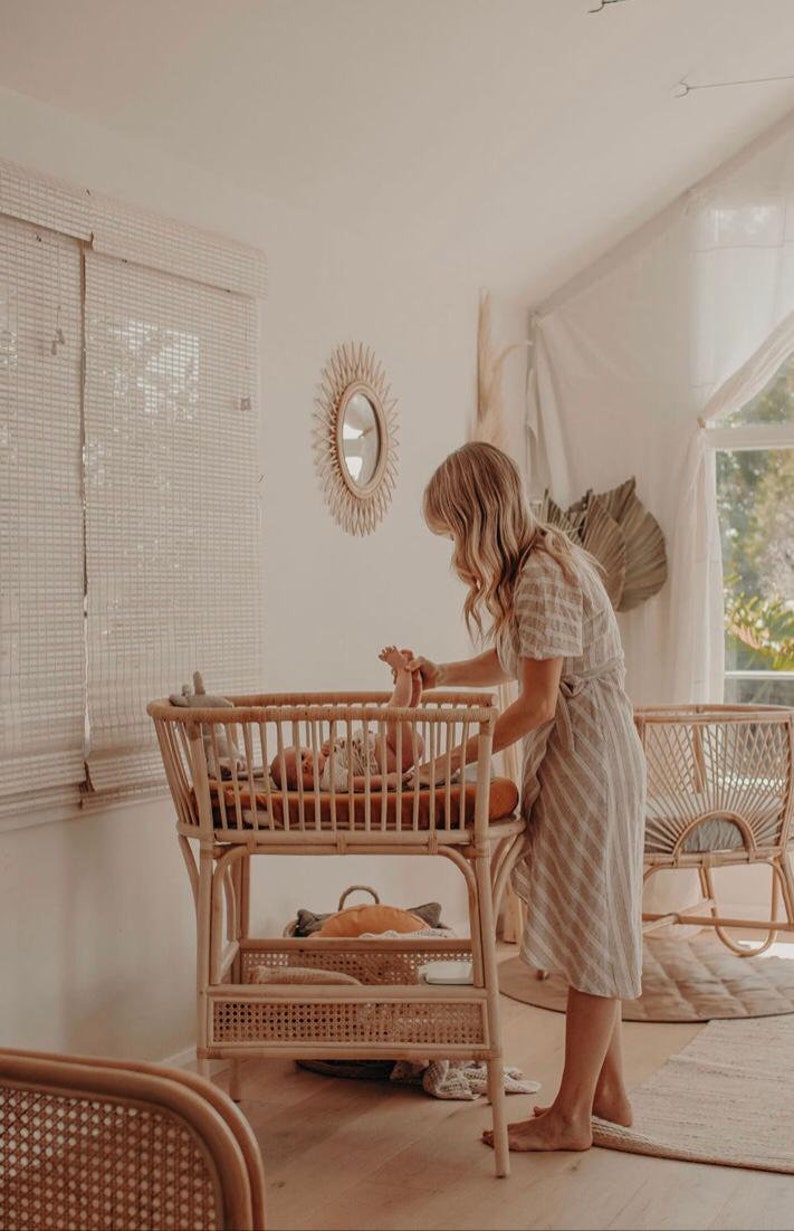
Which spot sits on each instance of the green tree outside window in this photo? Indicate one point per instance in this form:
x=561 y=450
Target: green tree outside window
x=755 y=496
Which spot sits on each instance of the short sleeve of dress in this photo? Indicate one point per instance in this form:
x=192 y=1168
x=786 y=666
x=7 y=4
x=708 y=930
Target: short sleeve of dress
x=549 y=611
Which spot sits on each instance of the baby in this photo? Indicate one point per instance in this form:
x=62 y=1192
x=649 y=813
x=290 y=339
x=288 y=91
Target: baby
x=360 y=754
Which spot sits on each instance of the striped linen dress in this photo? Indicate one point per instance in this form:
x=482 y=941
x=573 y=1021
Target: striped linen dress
x=583 y=790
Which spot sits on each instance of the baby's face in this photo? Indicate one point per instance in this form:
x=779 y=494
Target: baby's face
x=298 y=763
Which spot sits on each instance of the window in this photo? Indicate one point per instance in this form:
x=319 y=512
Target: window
x=129 y=486
x=755 y=498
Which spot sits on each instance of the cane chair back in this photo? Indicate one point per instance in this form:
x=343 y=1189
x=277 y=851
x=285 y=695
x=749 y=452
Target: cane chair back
x=101 y=1144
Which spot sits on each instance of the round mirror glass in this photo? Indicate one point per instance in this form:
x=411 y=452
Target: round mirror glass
x=360 y=439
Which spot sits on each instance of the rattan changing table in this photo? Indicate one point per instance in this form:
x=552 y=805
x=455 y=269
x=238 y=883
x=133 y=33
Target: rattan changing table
x=229 y=809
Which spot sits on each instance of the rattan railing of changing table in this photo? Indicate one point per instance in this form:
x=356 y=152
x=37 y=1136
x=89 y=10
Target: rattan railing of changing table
x=218 y=766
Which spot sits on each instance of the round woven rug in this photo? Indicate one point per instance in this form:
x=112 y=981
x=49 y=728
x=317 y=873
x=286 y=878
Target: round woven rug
x=691 y=979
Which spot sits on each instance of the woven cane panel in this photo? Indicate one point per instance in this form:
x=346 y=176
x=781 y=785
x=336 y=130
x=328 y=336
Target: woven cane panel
x=375 y=968
x=341 y=1023
x=68 y=1162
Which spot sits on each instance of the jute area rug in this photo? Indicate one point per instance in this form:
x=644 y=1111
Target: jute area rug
x=726 y=1098
x=684 y=979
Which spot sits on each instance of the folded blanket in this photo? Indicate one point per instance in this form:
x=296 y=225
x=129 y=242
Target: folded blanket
x=458 y=1079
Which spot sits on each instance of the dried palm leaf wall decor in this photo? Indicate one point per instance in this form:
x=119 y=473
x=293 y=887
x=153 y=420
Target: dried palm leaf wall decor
x=626 y=539
x=552 y=515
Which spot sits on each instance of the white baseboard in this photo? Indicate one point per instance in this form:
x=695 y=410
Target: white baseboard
x=182 y=1059
x=187 y=1060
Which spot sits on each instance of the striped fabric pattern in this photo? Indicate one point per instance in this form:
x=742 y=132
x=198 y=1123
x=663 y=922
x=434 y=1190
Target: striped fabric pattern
x=583 y=787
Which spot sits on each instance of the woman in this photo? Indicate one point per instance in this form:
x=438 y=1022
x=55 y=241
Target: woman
x=554 y=631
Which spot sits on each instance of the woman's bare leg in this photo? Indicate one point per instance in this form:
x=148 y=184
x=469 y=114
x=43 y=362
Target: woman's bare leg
x=567 y=1124
x=611 y=1100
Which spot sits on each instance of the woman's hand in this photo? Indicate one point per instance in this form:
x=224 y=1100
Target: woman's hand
x=429 y=671
x=423 y=776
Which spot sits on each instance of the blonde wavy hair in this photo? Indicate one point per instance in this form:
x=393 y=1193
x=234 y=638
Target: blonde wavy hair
x=476 y=496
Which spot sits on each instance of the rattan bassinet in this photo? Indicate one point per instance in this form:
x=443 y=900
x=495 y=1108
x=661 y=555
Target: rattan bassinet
x=720 y=794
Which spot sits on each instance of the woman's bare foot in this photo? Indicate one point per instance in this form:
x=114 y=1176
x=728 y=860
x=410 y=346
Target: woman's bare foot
x=549 y=1131
x=607 y=1105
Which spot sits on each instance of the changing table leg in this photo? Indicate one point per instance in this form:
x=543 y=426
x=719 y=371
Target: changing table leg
x=203 y=926
x=235 y=1087
x=486 y=924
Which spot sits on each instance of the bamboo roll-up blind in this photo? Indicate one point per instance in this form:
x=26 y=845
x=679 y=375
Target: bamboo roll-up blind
x=42 y=653
x=133 y=234
x=44 y=200
x=172 y=526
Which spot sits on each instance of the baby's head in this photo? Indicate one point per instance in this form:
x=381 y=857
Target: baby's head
x=296 y=762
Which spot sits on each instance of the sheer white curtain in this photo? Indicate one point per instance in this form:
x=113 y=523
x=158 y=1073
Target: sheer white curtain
x=743 y=330
x=633 y=364
x=678 y=325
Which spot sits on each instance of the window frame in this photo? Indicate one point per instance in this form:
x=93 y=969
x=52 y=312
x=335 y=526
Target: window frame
x=753 y=437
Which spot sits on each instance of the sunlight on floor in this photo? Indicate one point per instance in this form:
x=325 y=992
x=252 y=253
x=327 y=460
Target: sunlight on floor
x=778 y=949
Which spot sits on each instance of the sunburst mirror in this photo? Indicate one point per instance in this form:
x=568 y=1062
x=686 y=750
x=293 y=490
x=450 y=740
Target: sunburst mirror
x=355 y=438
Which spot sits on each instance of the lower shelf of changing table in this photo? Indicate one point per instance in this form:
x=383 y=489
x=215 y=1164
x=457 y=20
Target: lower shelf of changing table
x=392 y=1022
x=389 y=1014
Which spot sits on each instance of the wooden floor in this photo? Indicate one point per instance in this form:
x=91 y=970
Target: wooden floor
x=365 y=1156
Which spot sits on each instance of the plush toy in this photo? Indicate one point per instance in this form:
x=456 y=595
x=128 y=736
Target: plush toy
x=229 y=754
x=356 y=919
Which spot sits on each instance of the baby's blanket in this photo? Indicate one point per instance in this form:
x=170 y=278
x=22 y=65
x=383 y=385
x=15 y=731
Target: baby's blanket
x=458 y=1079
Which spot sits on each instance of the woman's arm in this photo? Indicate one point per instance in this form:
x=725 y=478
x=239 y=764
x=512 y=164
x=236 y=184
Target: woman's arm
x=476 y=672
x=535 y=705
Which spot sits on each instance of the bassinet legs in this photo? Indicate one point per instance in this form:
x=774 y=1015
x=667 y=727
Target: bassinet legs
x=782 y=893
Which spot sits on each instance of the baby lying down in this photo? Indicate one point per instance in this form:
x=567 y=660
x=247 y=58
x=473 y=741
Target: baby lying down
x=360 y=754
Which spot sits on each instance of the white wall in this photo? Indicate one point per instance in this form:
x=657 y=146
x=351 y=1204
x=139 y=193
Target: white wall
x=95 y=912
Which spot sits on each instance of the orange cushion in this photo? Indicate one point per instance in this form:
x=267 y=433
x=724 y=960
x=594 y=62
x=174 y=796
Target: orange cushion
x=502 y=803
x=357 y=919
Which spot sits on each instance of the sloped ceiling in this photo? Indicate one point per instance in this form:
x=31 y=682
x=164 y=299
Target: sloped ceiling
x=525 y=135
